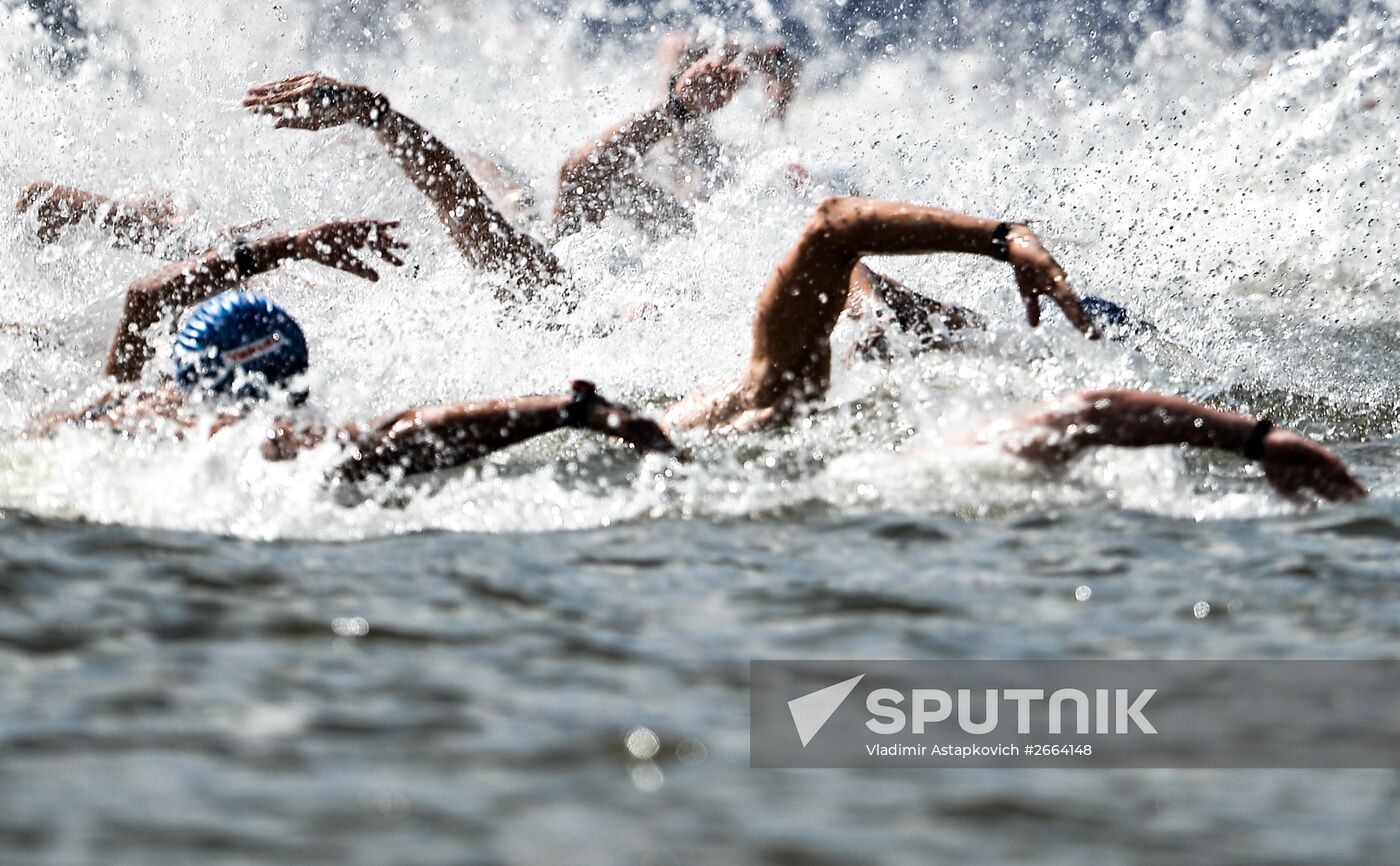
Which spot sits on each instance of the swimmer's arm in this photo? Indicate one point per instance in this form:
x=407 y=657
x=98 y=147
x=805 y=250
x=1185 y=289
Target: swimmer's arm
x=146 y=224
x=853 y=227
x=45 y=423
x=171 y=289
x=433 y=438
x=313 y=101
x=781 y=69
x=480 y=231
x=1058 y=431
x=586 y=179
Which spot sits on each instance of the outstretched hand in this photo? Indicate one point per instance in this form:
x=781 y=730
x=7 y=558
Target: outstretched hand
x=614 y=419
x=1294 y=463
x=335 y=244
x=315 y=101
x=709 y=84
x=1039 y=275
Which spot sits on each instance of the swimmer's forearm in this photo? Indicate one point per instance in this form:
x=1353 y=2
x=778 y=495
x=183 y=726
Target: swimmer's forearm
x=869 y=227
x=586 y=178
x=441 y=437
x=181 y=285
x=129 y=224
x=481 y=232
x=431 y=438
x=623 y=145
x=432 y=166
x=1131 y=419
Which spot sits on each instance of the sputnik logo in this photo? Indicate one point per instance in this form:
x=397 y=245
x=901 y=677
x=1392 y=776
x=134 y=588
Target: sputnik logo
x=812 y=711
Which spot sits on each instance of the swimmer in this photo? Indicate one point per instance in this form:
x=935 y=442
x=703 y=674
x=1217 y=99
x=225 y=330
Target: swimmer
x=474 y=222
x=788 y=371
x=153 y=224
x=312 y=102
x=237 y=349
x=694 y=169
x=789 y=367
x=606 y=175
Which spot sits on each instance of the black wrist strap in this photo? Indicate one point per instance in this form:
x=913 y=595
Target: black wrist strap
x=1254 y=445
x=677 y=109
x=243 y=263
x=1001 y=248
x=576 y=413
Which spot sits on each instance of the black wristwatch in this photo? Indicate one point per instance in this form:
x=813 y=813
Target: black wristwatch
x=1001 y=246
x=677 y=109
x=1254 y=445
x=584 y=393
x=243 y=262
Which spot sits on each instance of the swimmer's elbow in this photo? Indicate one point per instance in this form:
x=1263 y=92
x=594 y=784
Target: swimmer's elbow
x=835 y=220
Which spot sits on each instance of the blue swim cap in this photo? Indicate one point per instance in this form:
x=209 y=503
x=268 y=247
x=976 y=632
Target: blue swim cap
x=1112 y=318
x=239 y=343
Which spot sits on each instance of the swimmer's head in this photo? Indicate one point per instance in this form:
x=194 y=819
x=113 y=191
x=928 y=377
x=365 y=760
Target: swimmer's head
x=1112 y=319
x=239 y=344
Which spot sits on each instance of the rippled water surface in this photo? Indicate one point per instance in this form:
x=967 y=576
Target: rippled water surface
x=172 y=697
x=208 y=658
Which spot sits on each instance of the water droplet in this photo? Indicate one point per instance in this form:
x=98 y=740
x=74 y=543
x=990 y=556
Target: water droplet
x=350 y=626
x=642 y=743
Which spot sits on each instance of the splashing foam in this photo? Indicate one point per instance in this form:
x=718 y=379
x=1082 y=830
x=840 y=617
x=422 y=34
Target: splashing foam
x=1245 y=203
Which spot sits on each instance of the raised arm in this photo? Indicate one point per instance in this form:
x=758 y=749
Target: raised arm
x=173 y=288
x=790 y=363
x=780 y=69
x=429 y=438
x=591 y=179
x=1058 y=431
x=313 y=101
x=148 y=224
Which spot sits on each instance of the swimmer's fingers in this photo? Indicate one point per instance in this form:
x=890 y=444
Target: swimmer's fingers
x=32 y=193
x=382 y=241
x=709 y=84
x=234 y=230
x=388 y=256
x=378 y=237
x=1333 y=483
x=1293 y=463
x=645 y=435
x=283 y=84
x=1032 y=299
x=1038 y=274
x=351 y=265
x=1340 y=489
x=334 y=243
x=296 y=109
x=1069 y=304
x=269 y=102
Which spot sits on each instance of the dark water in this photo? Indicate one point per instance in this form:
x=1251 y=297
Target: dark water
x=175 y=698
